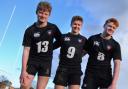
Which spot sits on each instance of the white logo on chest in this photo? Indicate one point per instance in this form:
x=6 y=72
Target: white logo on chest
x=49 y=32
x=67 y=39
x=80 y=40
x=109 y=47
x=96 y=43
x=37 y=34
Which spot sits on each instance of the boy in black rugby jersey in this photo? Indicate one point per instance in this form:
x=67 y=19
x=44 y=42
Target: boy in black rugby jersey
x=38 y=48
x=72 y=47
x=102 y=48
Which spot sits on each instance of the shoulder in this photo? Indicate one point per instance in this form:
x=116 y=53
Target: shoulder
x=30 y=28
x=83 y=37
x=94 y=36
x=52 y=25
x=66 y=34
x=115 y=43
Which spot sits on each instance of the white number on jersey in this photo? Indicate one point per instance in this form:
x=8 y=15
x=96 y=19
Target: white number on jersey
x=71 y=52
x=40 y=44
x=100 y=56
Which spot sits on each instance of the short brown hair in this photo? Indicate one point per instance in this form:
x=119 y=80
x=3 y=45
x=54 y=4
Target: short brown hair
x=115 y=21
x=44 y=5
x=74 y=18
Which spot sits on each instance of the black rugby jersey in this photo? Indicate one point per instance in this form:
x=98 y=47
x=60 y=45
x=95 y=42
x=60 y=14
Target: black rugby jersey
x=72 y=47
x=102 y=51
x=40 y=41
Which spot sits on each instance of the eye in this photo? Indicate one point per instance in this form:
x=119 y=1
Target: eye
x=78 y=24
x=112 y=26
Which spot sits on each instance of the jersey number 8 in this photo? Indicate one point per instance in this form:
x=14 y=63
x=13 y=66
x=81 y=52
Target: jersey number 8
x=100 y=56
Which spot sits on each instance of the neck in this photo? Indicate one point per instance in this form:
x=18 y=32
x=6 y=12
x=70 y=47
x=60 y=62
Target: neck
x=40 y=24
x=105 y=36
x=74 y=33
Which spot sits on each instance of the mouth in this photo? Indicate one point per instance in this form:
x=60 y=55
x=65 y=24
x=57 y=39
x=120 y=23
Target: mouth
x=110 y=31
x=41 y=17
x=76 y=28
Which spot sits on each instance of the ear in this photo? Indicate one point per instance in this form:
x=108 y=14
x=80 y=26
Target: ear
x=104 y=25
x=36 y=12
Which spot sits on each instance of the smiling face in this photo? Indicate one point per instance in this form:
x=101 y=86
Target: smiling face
x=43 y=15
x=43 y=11
x=76 y=26
x=109 y=28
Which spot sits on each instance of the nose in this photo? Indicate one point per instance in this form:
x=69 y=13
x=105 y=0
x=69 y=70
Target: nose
x=77 y=25
x=42 y=15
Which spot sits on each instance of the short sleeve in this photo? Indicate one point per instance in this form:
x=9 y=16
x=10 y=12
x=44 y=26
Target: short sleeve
x=27 y=38
x=117 y=52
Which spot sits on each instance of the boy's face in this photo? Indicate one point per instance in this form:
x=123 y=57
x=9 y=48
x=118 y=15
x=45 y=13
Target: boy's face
x=43 y=15
x=110 y=28
x=76 y=26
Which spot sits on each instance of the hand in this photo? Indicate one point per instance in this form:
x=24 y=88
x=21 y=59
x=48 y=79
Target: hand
x=23 y=76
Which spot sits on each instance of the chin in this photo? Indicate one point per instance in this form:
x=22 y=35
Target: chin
x=109 y=34
x=75 y=32
x=42 y=21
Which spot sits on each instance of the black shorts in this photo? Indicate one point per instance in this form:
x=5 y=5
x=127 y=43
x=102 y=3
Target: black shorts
x=43 y=69
x=66 y=76
x=96 y=79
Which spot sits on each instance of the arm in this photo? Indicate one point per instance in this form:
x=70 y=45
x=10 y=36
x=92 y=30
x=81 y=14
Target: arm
x=26 y=44
x=24 y=63
x=84 y=53
x=57 y=35
x=116 y=71
x=115 y=74
x=56 y=45
x=25 y=58
x=117 y=59
x=87 y=46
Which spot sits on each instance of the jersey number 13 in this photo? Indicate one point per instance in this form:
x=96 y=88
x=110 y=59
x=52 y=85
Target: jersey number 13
x=45 y=46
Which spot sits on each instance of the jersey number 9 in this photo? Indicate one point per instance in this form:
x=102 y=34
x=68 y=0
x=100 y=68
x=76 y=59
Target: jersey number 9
x=71 y=52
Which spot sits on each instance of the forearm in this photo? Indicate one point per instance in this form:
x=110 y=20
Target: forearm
x=84 y=53
x=56 y=45
x=116 y=71
x=25 y=58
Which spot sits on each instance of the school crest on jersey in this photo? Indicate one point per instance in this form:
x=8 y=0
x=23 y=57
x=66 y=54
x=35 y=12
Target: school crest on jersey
x=109 y=47
x=96 y=43
x=67 y=39
x=37 y=34
x=49 y=32
x=80 y=40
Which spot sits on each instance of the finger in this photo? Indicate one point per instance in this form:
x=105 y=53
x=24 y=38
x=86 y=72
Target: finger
x=21 y=80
